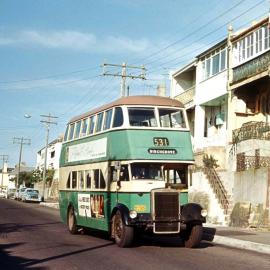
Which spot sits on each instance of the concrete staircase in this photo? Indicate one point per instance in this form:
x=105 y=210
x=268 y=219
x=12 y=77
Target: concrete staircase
x=221 y=194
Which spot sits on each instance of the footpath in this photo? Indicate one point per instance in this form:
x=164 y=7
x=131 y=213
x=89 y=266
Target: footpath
x=253 y=239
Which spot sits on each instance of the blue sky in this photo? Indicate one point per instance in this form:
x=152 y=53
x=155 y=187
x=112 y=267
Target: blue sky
x=51 y=52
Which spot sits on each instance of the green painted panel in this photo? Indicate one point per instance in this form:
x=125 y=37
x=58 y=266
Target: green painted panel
x=183 y=198
x=135 y=144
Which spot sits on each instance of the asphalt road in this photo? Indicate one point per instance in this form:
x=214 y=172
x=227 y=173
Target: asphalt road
x=33 y=237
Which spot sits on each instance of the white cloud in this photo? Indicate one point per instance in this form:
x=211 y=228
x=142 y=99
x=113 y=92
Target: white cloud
x=76 y=41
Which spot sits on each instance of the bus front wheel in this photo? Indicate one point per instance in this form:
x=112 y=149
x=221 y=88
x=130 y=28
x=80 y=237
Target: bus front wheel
x=71 y=220
x=193 y=236
x=122 y=234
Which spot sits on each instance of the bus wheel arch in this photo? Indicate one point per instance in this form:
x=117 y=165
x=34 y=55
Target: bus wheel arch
x=71 y=220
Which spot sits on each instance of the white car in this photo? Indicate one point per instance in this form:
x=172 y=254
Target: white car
x=31 y=195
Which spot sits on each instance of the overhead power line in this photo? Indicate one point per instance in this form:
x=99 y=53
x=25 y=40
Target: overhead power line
x=48 y=77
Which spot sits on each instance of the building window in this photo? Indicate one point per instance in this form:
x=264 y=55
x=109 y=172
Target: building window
x=252 y=45
x=213 y=64
x=249 y=46
x=52 y=154
x=258 y=37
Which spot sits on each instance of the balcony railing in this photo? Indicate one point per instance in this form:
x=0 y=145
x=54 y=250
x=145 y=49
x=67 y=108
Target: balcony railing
x=251 y=68
x=251 y=130
x=187 y=97
x=244 y=162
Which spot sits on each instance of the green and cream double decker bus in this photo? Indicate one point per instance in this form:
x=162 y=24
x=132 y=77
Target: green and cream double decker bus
x=124 y=168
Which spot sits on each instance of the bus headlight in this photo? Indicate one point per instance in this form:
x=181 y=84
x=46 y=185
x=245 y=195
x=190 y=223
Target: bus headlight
x=204 y=212
x=132 y=214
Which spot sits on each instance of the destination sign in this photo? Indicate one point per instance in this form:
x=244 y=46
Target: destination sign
x=162 y=151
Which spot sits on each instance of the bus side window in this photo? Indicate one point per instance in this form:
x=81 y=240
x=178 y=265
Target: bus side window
x=99 y=121
x=74 y=180
x=66 y=134
x=71 y=131
x=118 y=119
x=68 y=181
x=99 y=179
x=92 y=124
x=78 y=128
x=84 y=127
x=88 y=179
x=81 y=179
x=107 y=121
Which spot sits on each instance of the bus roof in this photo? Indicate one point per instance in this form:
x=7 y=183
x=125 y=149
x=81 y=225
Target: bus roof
x=133 y=100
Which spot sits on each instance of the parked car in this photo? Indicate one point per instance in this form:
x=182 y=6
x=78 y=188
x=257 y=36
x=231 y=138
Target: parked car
x=11 y=193
x=3 y=192
x=18 y=195
x=31 y=195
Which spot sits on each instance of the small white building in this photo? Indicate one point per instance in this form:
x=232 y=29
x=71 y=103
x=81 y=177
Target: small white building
x=5 y=175
x=53 y=156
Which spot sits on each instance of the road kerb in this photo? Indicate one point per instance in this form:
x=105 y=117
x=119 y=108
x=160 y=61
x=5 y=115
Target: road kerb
x=242 y=244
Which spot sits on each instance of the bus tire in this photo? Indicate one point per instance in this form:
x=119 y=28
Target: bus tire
x=193 y=236
x=71 y=221
x=122 y=234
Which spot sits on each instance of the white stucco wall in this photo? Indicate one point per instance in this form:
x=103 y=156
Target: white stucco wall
x=211 y=88
x=251 y=186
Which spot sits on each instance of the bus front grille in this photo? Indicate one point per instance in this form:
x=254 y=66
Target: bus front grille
x=166 y=212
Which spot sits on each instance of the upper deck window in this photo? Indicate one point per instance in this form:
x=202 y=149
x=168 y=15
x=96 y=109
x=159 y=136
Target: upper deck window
x=171 y=118
x=118 y=117
x=84 y=127
x=142 y=117
x=99 y=122
x=66 y=134
x=78 y=128
x=108 y=118
x=92 y=124
x=71 y=131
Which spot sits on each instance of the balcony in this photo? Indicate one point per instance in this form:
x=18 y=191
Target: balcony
x=252 y=68
x=251 y=130
x=187 y=97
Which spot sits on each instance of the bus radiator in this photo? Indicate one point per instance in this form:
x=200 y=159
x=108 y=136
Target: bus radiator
x=166 y=212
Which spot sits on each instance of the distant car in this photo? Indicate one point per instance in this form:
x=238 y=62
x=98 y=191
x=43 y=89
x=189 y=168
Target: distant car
x=3 y=192
x=18 y=195
x=11 y=193
x=30 y=195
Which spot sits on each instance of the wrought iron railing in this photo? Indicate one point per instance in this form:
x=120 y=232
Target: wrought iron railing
x=244 y=162
x=251 y=130
x=218 y=188
x=187 y=97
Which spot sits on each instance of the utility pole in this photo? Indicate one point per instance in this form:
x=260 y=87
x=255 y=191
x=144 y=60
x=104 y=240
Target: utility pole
x=124 y=74
x=22 y=141
x=4 y=159
x=48 y=121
